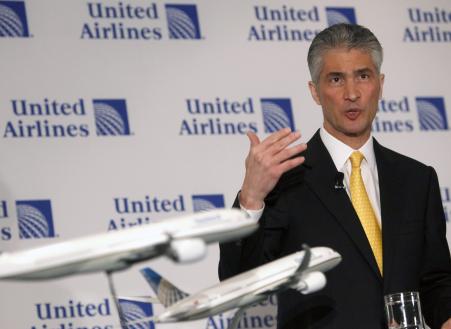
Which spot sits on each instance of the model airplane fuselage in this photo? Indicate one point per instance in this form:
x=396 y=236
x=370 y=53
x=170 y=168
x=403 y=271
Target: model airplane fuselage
x=247 y=288
x=182 y=239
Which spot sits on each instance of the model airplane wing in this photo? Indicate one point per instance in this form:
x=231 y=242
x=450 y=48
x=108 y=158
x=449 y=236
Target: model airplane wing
x=75 y=256
x=182 y=238
x=142 y=299
x=302 y=271
x=304 y=278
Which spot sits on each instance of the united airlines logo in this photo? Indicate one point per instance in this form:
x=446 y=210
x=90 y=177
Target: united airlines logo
x=431 y=113
x=276 y=21
x=183 y=22
x=337 y=15
x=137 y=211
x=226 y=116
x=72 y=314
x=207 y=202
x=277 y=114
x=111 y=117
x=427 y=24
x=13 y=19
x=35 y=219
x=135 y=311
x=61 y=118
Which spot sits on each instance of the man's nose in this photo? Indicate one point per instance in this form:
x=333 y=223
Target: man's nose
x=352 y=92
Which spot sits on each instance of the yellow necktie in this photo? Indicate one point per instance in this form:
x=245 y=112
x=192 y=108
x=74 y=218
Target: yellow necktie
x=364 y=210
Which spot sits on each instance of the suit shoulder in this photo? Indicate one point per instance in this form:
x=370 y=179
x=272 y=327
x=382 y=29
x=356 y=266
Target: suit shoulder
x=403 y=161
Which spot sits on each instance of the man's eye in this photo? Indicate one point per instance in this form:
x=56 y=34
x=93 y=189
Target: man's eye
x=335 y=79
x=364 y=76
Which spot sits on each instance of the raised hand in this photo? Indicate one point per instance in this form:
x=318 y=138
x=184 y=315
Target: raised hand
x=266 y=162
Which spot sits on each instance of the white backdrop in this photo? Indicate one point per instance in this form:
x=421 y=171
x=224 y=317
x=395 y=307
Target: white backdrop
x=98 y=107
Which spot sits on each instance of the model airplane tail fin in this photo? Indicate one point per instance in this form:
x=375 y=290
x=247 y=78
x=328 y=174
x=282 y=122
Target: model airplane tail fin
x=166 y=292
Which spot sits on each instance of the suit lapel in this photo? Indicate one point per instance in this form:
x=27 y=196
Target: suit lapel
x=390 y=186
x=320 y=177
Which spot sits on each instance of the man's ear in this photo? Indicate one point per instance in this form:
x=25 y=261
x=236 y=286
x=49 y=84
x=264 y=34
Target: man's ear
x=381 y=81
x=314 y=92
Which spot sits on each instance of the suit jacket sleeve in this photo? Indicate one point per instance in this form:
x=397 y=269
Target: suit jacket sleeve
x=436 y=269
x=262 y=246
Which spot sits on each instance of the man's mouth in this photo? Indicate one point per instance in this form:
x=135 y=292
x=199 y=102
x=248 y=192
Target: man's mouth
x=352 y=114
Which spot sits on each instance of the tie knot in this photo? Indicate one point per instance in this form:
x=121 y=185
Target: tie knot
x=356 y=159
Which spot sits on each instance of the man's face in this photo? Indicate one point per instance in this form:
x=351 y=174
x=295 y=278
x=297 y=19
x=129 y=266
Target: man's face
x=348 y=91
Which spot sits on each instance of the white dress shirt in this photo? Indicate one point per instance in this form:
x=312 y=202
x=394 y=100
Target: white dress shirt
x=340 y=153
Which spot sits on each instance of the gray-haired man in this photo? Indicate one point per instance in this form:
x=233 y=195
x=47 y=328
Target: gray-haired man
x=387 y=223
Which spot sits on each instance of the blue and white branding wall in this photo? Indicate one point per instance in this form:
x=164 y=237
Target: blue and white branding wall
x=117 y=113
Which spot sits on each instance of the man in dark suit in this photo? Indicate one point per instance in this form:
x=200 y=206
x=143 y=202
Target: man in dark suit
x=380 y=210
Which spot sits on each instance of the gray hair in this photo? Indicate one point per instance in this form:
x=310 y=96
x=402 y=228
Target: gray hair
x=349 y=36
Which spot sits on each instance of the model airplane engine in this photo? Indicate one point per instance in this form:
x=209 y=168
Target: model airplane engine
x=311 y=282
x=187 y=250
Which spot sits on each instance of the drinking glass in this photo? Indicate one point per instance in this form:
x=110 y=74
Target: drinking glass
x=403 y=310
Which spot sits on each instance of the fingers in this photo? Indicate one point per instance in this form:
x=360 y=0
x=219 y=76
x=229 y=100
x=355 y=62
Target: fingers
x=290 y=164
x=278 y=135
x=275 y=148
x=276 y=141
x=284 y=142
x=287 y=153
x=266 y=162
x=253 y=138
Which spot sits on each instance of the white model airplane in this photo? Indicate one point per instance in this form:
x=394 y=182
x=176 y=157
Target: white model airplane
x=302 y=271
x=183 y=239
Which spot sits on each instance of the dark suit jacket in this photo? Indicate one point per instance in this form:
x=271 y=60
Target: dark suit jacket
x=304 y=207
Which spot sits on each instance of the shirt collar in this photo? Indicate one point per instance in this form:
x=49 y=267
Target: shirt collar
x=340 y=152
